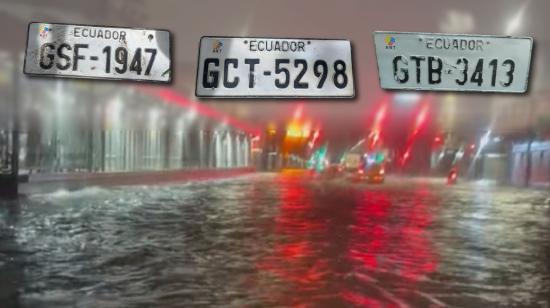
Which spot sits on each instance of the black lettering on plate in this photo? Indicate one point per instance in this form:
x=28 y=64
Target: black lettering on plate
x=396 y=70
x=477 y=76
x=226 y=82
x=63 y=56
x=211 y=82
x=297 y=83
x=284 y=70
x=464 y=71
x=251 y=63
x=77 y=56
x=44 y=54
x=434 y=70
x=417 y=60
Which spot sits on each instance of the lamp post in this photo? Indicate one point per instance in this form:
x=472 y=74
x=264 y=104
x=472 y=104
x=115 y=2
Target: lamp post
x=530 y=138
x=10 y=183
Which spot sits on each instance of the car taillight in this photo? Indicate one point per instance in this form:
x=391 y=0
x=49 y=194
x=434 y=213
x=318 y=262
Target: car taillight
x=360 y=171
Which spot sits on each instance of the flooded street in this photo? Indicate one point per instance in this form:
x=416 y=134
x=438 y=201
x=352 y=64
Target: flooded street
x=268 y=240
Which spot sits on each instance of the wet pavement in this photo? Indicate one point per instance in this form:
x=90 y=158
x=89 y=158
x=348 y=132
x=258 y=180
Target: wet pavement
x=270 y=240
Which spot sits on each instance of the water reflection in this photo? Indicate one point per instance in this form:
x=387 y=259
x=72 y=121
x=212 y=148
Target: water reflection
x=12 y=255
x=390 y=248
x=297 y=260
x=336 y=246
x=277 y=240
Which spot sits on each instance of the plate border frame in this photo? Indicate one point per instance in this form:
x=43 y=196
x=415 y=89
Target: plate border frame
x=525 y=88
x=49 y=75
x=352 y=96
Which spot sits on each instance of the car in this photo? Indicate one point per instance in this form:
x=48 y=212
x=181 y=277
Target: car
x=374 y=174
x=332 y=171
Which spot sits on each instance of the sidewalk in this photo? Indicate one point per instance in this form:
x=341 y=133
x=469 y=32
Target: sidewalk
x=42 y=183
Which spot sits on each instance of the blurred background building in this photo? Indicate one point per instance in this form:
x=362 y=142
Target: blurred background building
x=89 y=126
x=72 y=125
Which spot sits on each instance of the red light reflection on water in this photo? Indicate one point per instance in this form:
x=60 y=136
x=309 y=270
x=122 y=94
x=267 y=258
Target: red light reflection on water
x=369 y=250
x=294 y=259
x=389 y=245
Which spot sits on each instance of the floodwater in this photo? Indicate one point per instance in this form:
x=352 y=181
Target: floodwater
x=270 y=240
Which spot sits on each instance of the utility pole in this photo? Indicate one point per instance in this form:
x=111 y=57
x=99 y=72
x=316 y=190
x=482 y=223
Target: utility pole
x=530 y=138
x=9 y=187
x=15 y=132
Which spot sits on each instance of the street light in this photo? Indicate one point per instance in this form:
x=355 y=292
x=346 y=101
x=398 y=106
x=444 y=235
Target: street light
x=406 y=98
x=516 y=21
x=484 y=140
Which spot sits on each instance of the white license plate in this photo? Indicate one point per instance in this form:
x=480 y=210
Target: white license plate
x=431 y=61
x=273 y=67
x=82 y=51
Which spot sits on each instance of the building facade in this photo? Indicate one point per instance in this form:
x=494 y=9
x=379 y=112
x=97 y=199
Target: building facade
x=70 y=125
